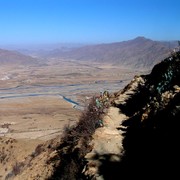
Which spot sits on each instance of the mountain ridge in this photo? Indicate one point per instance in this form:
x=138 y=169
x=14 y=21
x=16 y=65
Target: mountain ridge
x=8 y=57
x=136 y=53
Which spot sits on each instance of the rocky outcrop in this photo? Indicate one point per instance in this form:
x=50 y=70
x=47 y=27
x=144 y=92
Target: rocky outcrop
x=151 y=134
x=141 y=135
x=135 y=136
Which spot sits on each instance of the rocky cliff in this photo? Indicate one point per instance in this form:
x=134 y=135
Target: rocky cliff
x=133 y=133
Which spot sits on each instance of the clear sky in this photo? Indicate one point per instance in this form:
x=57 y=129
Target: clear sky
x=88 y=21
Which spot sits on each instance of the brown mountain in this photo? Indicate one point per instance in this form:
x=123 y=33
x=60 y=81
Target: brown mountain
x=137 y=53
x=13 y=57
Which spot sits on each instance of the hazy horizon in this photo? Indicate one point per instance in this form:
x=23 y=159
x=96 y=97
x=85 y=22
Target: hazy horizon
x=53 y=46
x=87 y=22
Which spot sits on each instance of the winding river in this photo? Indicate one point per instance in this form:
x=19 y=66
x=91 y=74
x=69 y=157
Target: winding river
x=67 y=92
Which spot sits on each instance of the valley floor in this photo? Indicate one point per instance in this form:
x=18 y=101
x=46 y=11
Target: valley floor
x=32 y=107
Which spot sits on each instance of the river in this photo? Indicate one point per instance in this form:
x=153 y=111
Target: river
x=68 y=92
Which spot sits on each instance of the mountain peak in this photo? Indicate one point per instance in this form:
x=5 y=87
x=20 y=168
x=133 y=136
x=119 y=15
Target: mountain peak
x=135 y=53
x=141 y=38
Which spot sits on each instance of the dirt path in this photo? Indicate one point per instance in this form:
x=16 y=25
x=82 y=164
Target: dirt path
x=106 y=140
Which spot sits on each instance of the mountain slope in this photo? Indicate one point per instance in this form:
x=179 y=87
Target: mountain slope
x=137 y=53
x=151 y=131
x=13 y=57
x=139 y=137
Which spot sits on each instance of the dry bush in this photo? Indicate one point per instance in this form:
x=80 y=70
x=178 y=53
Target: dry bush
x=89 y=121
x=75 y=142
x=16 y=169
x=38 y=150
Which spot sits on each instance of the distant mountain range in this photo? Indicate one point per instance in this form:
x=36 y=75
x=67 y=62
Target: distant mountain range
x=137 y=53
x=13 y=57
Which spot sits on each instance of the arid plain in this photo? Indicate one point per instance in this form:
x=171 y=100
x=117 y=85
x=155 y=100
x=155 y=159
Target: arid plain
x=38 y=101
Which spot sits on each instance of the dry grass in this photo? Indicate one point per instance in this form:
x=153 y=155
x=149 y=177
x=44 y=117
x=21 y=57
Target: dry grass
x=76 y=142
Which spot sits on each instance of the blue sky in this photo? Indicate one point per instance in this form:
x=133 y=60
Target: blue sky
x=87 y=21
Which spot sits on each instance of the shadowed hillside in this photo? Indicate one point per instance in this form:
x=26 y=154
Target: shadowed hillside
x=133 y=133
x=137 y=53
x=151 y=133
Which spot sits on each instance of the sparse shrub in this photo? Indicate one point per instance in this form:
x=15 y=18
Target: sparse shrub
x=89 y=121
x=3 y=156
x=17 y=168
x=75 y=141
x=38 y=150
